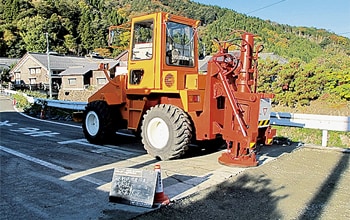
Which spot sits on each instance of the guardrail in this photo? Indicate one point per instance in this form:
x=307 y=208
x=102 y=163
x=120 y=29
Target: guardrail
x=79 y=106
x=322 y=122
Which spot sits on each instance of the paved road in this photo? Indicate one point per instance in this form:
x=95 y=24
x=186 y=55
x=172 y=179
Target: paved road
x=48 y=170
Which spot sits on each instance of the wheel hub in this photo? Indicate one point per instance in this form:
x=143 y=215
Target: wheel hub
x=158 y=133
x=92 y=123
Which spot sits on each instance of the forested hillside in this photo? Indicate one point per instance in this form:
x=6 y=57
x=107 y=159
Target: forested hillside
x=319 y=61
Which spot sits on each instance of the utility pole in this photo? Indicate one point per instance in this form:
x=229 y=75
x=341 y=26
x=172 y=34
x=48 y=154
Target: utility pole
x=48 y=64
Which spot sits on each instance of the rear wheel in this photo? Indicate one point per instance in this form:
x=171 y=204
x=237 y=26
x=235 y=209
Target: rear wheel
x=166 y=132
x=99 y=122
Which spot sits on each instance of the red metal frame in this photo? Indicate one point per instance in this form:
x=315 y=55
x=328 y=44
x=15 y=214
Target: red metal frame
x=233 y=79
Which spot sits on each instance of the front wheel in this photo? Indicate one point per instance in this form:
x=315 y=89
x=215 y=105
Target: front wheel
x=166 y=132
x=99 y=122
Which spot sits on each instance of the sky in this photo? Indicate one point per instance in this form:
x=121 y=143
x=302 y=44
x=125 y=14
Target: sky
x=331 y=15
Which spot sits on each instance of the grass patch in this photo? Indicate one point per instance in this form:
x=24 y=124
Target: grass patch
x=314 y=136
x=326 y=105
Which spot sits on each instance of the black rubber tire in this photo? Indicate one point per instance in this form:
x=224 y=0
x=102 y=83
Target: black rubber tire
x=104 y=126
x=177 y=131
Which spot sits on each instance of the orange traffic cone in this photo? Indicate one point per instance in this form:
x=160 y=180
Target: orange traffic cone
x=42 y=114
x=160 y=198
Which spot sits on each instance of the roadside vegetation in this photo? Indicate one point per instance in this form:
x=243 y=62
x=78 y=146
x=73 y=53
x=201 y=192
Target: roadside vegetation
x=38 y=111
x=21 y=99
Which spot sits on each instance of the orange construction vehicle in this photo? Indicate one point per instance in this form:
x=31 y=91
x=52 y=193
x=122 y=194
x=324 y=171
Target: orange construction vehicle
x=165 y=99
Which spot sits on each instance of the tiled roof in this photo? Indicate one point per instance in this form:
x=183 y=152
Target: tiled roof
x=60 y=62
x=78 y=70
x=83 y=69
x=6 y=62
x=69 y=65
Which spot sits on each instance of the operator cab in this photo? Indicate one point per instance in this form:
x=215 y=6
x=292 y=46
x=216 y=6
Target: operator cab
x=161 y=42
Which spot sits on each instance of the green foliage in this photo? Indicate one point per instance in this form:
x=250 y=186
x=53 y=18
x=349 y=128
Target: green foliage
x=4 y=75
x=35 y=94
x=74 y=26
x=21 y=101
x=296 y=83
x=30 y=30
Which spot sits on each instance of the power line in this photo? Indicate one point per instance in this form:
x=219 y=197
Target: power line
x=267 y=6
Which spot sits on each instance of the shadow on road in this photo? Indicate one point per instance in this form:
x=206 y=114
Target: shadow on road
x=231 y=199
x=316 y=206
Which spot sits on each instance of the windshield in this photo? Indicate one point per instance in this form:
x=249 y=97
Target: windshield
x=179 y=44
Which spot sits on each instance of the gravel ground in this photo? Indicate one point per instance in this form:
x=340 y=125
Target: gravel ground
x=306 y=184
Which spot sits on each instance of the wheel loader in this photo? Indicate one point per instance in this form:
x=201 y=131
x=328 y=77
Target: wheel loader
x=165 y=99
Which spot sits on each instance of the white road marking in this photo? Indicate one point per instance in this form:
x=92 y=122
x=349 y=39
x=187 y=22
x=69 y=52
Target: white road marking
x=84 y=141
x=71 y=141
x=176 y=191
x=6 y=123
x=35 y=132
x=100 y=148
x=50 y=165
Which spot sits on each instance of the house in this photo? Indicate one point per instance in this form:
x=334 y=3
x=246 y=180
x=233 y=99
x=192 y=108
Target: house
x=85 y=76
x=81 y=81
x=67 y=72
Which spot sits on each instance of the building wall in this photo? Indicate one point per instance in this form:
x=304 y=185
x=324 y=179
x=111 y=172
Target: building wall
x=75 y=95
x=72 y=82
x=98 y=79
x=31 y=72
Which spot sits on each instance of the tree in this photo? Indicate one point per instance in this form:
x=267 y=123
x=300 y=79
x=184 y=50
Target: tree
x=32 y=32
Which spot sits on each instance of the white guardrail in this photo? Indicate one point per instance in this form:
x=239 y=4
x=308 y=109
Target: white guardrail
x=322 y=122
x=78 y=106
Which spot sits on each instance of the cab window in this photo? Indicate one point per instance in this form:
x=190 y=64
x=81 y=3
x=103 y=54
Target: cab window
x=142 y=48
x=179 y=44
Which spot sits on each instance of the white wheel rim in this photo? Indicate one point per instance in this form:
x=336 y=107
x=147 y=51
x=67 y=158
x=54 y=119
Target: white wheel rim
x=92 y=123
x=158 y=133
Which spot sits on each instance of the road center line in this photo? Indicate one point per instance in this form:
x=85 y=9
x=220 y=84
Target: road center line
x=50 y=165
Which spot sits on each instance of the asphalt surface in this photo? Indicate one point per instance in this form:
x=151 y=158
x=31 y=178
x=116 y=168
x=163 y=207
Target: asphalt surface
x=309 y=183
